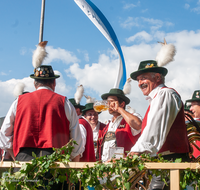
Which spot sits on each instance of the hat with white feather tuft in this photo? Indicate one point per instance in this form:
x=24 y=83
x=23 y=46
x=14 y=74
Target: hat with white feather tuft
x=77 y=97
x=164 y=56
x=117 y=92
x=89 y=104
x=41 y=71
x=19 y=89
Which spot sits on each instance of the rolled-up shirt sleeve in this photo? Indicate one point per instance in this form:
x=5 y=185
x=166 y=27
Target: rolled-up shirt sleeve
x=75 y=131
x=164 y=108
x=7 y=129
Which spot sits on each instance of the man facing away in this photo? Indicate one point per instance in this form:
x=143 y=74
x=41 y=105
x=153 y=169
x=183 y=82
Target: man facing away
x=40 y=120
x=123 y=129
x=163 y=127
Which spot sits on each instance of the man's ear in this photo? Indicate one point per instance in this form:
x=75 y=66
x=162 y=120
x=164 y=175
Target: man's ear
x=158 y=77
x=123 y=104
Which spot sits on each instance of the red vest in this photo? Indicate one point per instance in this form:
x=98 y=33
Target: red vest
x=177 y=140
x=40 y=121
x=196 y=152
x=124 y=137
x=88 y=154
x=101 y=129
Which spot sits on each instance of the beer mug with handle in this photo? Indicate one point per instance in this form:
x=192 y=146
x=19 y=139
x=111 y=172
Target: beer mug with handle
x=101 y=105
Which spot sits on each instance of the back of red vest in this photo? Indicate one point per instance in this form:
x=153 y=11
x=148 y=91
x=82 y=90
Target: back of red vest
x=88 y=154
x=40 y=121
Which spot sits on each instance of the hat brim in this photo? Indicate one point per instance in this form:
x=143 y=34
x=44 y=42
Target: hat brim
x=84 y=111
x=34 y=77
x=160 y=70
x=105 y=96
x=79 y=106
x=193 y=100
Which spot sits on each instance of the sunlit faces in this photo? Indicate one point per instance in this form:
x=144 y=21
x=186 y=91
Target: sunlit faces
x=92 y=117
x=148 y=81
x=195 y=108
x=112 y=101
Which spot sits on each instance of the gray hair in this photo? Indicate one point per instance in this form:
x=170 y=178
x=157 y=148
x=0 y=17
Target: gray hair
x=45 y=82
x=161 y=77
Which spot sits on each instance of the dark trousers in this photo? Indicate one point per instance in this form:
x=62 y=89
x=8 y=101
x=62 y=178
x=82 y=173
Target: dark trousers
x=156 y=182
x=25 y=154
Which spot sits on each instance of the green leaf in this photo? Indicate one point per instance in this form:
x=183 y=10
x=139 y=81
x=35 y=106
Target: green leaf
x=127 y=185
x=178 y=160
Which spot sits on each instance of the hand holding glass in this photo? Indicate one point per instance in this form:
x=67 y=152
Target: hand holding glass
x=101 y=105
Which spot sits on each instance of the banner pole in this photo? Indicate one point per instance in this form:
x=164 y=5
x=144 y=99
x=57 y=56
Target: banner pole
x=42 y=21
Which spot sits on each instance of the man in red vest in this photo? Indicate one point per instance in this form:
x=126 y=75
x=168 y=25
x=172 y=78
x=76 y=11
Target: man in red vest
x=97 y=127
x=40 y=120
x=86 y=131
x=194 y=110
x=123 y=129
x=163 y=127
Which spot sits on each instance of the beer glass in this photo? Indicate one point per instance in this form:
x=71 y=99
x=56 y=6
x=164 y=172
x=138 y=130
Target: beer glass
x=101 y=105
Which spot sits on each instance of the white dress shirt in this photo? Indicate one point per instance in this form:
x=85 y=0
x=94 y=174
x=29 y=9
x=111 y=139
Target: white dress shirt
x=112 y=128
x=165 y=104
x=7 y=129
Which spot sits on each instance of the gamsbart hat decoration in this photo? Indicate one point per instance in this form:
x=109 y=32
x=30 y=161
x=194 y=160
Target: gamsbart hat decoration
x=19 y=89
x=195 y=96
x=164 y=56
x=89 y=104
x=120 y=93
x=41 y=71
x=77 y=98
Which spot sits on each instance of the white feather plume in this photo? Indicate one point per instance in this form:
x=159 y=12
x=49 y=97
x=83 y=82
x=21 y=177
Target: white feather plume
x=130 y=109
x=19 y=89
x=127 y=87
x=166 y=54
x=79 y=94
x=89 y=99
x=39 y=54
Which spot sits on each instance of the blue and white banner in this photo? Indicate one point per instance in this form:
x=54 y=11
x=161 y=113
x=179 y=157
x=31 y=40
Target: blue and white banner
x=100 y=21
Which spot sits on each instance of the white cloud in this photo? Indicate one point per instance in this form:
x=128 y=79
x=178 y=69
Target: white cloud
x=98 y=78
x=196 y=9
x=143 y=22
x=23 y=51
x=7 y=87
x=187 y=6
x=130 y=22
x=141 y=36
x=129 y=6
x=86 y=56
x=2 y=73
x=59 y=54
x=144 y=10
x=183 y=73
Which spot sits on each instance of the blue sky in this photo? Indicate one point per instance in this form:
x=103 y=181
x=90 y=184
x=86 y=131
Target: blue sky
x=82 y=55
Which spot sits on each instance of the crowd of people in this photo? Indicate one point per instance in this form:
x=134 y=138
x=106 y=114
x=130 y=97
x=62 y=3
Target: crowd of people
x=40 y=120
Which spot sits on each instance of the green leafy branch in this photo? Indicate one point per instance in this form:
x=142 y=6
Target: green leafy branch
x=117 y=174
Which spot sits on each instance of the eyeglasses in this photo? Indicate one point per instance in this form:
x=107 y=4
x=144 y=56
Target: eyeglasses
x=92 y=114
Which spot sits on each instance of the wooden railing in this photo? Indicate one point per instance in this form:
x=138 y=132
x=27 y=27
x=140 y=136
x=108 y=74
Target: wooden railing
x=173 y=167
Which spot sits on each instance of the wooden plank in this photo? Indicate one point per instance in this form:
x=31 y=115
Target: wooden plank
x=172 y=165
x=174 y=179
x=8 y=164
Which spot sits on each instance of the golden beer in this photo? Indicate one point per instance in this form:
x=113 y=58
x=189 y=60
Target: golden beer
x=100 y=106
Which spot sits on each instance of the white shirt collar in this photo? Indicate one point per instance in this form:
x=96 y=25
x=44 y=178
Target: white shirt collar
x=44 y=87
x=154 y=92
